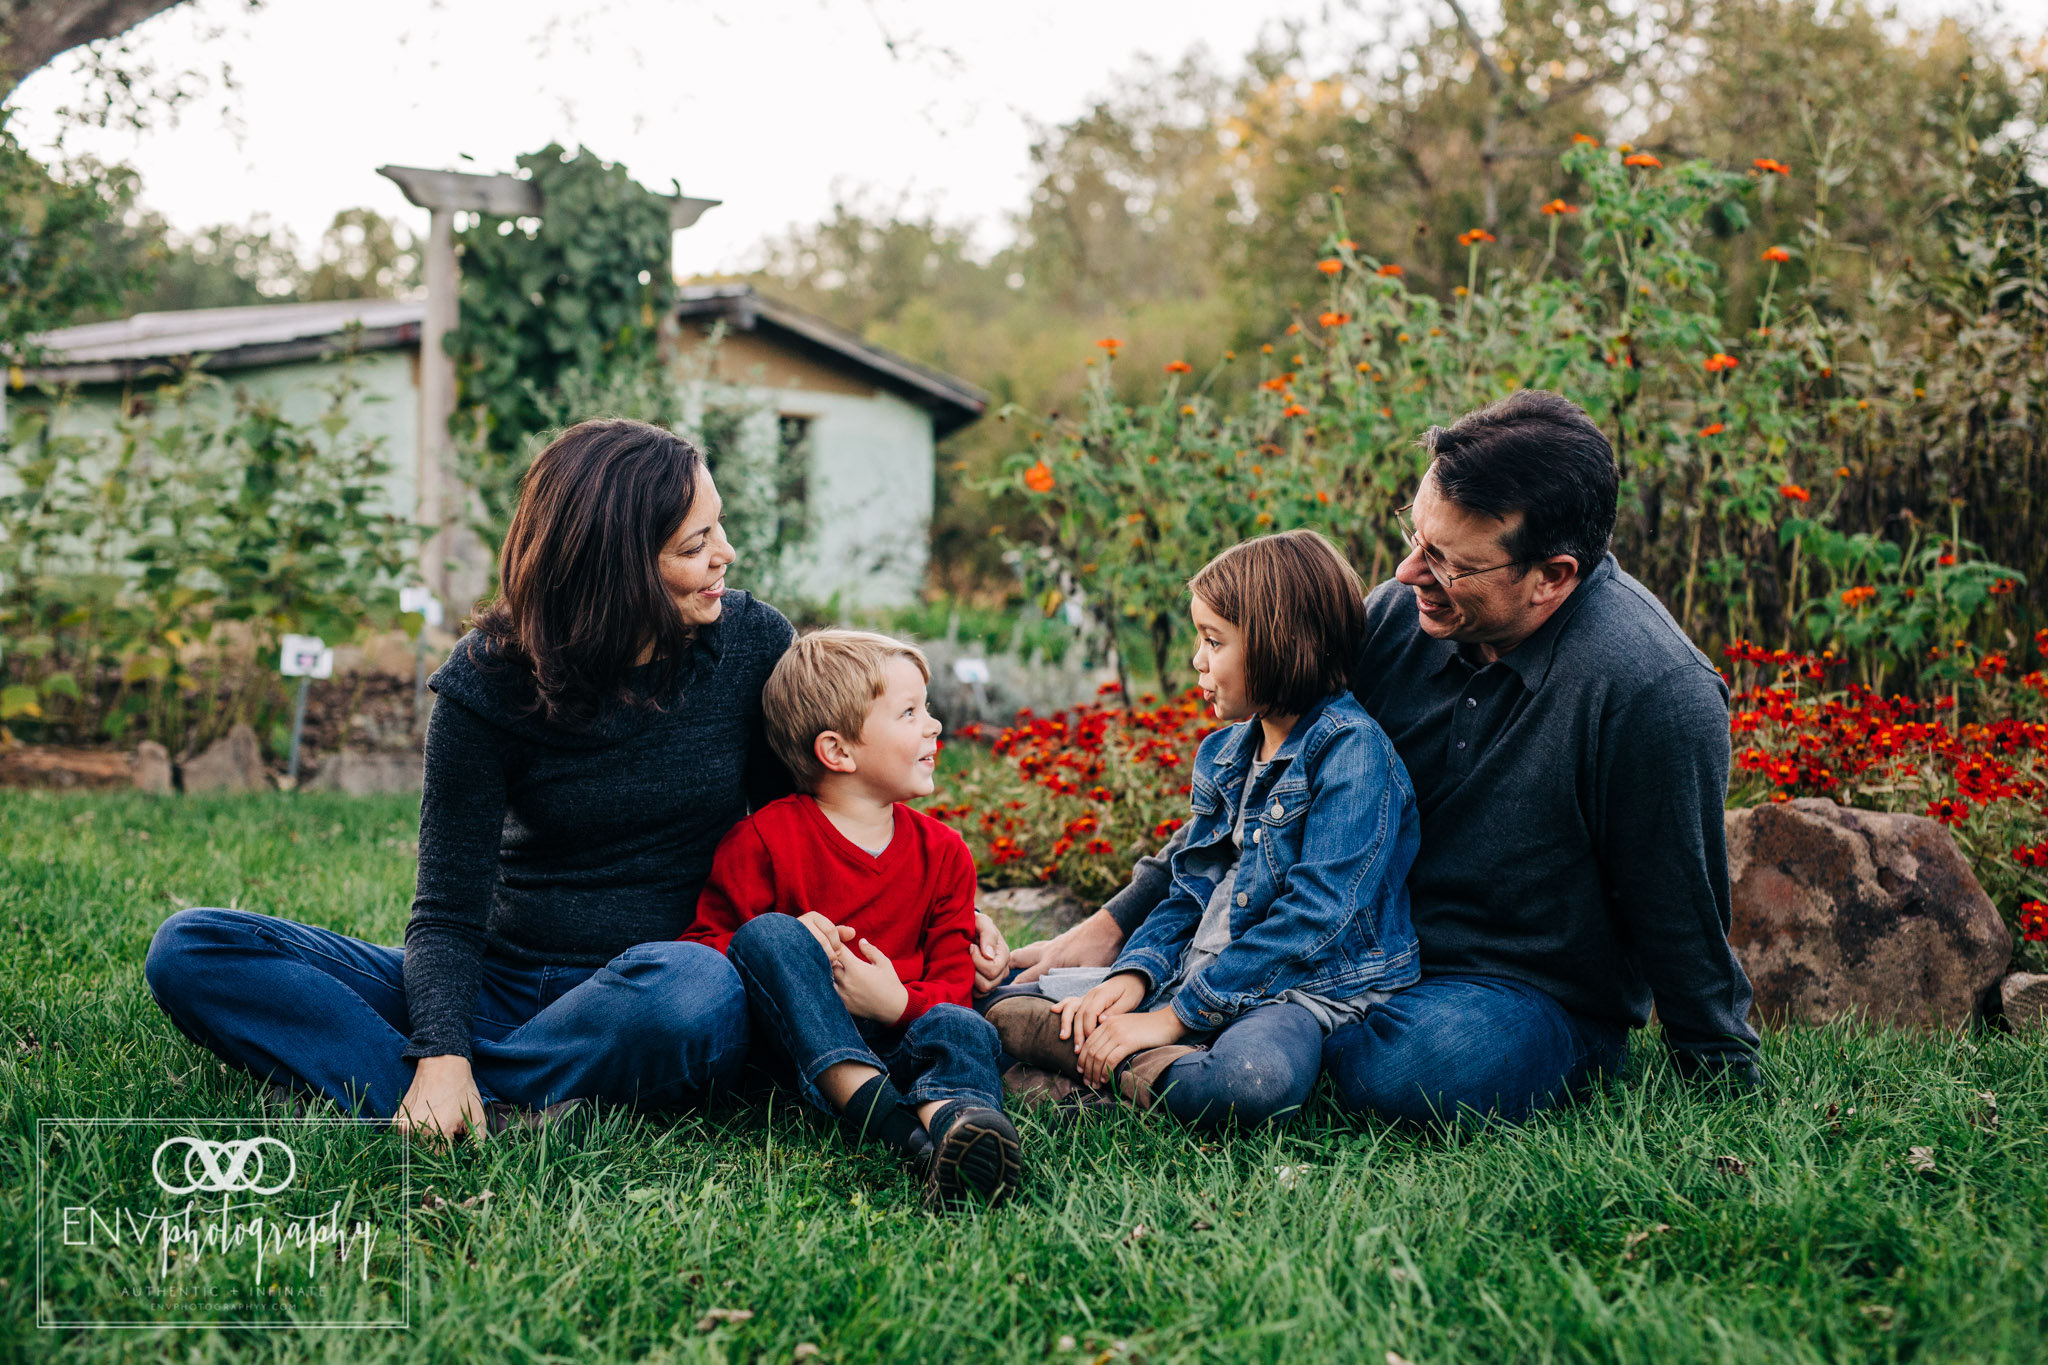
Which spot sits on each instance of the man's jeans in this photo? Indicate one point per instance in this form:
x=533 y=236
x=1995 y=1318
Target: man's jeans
x=658 y=1027
x=1460 y=1048
x=947 y=1053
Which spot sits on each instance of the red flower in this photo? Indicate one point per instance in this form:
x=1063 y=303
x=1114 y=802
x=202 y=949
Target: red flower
x=1039 y=479
x=1713 y=428
x=2034 y=921
x=1178 y=367
x=1794 y=492
x=1644 y=160
x=1294 y=410
x=1858 y=596
x=1777 y=254
x=1950 y=810
x=1101 y=846
x=1768 y=166
x=1334 y=319
x=2003 y=586
x=1719 y=361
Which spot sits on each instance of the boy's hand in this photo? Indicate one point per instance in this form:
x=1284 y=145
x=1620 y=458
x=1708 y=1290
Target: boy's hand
x=1082 y=1015
x=1119 y=1037
x=991 y=954
x=829 y=935
x=870 y=988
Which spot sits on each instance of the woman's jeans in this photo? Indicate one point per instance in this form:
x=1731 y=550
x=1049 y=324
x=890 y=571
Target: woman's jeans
x=1461 y=1048
x=658 y=1027
x=947 y=1053
x=1259 y=1069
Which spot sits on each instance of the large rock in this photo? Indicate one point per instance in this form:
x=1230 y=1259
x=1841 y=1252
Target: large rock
x=358 y=774
x=2024 y=998
x=41 y=765
x=1839 y=910
x=233 y=763
x=1032 y=912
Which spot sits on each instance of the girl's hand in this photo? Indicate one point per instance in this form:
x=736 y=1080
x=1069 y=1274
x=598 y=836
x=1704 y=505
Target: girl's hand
x=870 y=988
x=1119 y=1037
x=442 y=1101
x=1082 y=1015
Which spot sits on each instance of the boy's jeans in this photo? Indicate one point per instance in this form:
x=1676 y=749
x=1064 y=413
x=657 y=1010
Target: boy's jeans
x=659 y=1026
x=947 y=1053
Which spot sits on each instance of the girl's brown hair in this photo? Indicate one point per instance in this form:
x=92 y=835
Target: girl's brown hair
x=1301 y=609
x=580 y=596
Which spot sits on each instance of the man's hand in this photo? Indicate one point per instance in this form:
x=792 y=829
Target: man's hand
x=442 y=1102
x=1082 y=1015
x=868 y=985
x=1091 y=943
x=829 y=935
x=991 y=954
x=1118 y=1037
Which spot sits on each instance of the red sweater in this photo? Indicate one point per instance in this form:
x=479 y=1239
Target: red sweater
x=915 y=902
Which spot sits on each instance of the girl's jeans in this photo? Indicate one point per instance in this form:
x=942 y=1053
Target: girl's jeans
x=658 y=1027
x=947 y=1053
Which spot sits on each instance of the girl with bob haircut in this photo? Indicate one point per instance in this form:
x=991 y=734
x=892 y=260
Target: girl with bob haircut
x=592 y=740
x=1289 y=910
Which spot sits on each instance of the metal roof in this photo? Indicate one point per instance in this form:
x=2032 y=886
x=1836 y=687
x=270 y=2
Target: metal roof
x=150 y=344
x=952 y=402
x=155 y=344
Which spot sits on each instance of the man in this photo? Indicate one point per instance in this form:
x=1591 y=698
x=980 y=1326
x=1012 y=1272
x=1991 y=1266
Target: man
x=1569 y=751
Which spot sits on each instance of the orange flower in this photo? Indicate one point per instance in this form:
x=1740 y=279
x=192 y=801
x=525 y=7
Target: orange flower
x=1348 y=244
x=1842 y=471
x=1859 y=596
x=1039 y=479
x=1322 y=497
x=1557 y=206
x=1643 y=159
x=2002 y=586
x=1713 y=428
x=1474 y=236
x=1330 y=266
x=1390 y=270
x=1588 y=141
x=1178 y=367
x=1719 y=361
x=1777 y=254
x=1293 y=328
x=1334 y=319
x=1769 y=166
x=1794 y=492
x=1294 y=410
x=1110 y=344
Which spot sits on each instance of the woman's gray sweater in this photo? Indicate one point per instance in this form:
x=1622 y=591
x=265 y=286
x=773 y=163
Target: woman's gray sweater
x=542 y=844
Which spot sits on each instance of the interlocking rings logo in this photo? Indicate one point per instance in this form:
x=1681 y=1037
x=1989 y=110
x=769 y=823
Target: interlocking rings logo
x=222 y=1167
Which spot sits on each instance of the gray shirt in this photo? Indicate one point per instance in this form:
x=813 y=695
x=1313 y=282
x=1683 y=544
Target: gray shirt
x=1571 y=796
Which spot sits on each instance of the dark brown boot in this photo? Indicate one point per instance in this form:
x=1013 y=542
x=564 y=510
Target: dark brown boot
x=1034 y=1090
x=1138 y=1076
x=1030 y=1031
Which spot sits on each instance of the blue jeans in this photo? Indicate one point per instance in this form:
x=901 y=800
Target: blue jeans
x=947 y=1053
x=1260 y=1069
x=1462 y=1048
x=658 y=1027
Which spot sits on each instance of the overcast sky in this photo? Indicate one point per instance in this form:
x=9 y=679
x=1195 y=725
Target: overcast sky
x=770 y=105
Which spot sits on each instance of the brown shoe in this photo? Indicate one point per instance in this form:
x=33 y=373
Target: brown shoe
x=1137 y=1078
x=1034 y=1090
x=1029 y=1028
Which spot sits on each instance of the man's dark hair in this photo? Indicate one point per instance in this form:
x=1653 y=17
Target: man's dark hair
x=1536 y=453
x=580 y=596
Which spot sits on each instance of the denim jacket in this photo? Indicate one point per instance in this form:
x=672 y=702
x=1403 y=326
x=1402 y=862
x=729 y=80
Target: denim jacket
x=1321 y=901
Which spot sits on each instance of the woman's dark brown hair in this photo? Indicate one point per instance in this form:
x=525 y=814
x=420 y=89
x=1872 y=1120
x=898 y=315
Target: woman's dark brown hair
x=1301 y=609
x=580 y=597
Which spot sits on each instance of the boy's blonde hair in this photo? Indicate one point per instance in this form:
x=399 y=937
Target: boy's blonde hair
x=827 y=681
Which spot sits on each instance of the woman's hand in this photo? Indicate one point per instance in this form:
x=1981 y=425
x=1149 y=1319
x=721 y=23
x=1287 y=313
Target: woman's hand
x=991 y=954
x=1091 y=943
x=1082 y=1015
x=870 y=988
x=1119 y=1037
x=443 y=1101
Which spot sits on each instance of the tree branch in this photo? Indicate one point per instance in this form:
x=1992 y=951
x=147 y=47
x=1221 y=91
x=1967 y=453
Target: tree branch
x=35 y=32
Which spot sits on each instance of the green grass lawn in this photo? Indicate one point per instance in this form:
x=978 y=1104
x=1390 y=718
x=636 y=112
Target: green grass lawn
x=1647 y=1226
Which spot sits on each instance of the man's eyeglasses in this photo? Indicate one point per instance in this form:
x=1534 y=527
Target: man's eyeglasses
x=1439 y=569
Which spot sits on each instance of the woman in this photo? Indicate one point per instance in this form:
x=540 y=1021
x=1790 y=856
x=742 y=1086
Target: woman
x=595 y=736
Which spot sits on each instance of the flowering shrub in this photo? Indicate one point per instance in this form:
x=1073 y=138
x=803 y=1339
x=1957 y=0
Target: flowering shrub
x=1748 y=463
x=1078 y=796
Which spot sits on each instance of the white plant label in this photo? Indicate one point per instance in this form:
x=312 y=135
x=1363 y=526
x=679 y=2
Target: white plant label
x=970 y=671
x=305 y=656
